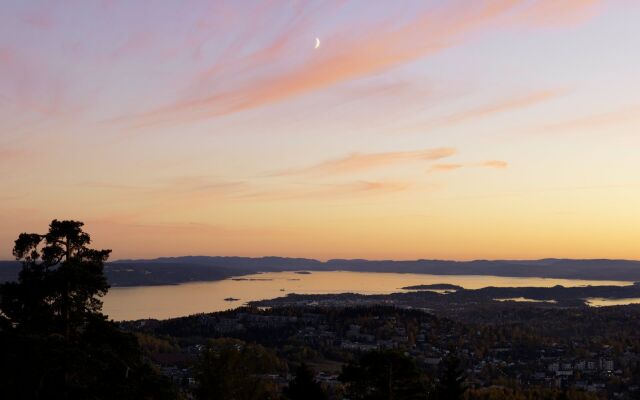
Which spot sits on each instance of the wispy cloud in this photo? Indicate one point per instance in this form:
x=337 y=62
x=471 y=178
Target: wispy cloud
x=330 y=191
x=501 y=106
x=497 y=164
x=230 y=57
x=196 y=193
x=356 y=162
x=613 y=117
x=496 y=107
x=9 y=155
x=445 y=167
x=566 y=12
x=345 y=55
x=191 y=186
x=130 y=222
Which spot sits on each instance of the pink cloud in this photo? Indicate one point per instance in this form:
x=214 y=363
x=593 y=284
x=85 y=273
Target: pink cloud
x=356 y=162
x=185 y=186
x=501 y=106
x=445 y=167
x=201 y=192
x=8 y=155
x=331 y=191
x=566 y=12
x=497 y=164
x=351 y=54
x=613 y=117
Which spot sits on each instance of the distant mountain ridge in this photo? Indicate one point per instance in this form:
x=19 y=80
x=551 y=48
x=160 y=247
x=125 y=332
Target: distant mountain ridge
x=175 y=270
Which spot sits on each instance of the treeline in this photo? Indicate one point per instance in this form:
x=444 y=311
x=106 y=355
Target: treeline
x=233 y=369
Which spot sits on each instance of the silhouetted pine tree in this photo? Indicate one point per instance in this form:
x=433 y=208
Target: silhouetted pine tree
x=55 y=342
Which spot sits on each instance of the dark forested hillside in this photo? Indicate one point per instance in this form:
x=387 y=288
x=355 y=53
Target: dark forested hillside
x=174 y=270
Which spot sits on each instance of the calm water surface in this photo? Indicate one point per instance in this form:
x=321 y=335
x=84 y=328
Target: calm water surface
x=602 y=302
x=190 y=298
x=526 y=300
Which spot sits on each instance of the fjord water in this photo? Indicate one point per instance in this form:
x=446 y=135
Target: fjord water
x=601 y=302
x=169 y=301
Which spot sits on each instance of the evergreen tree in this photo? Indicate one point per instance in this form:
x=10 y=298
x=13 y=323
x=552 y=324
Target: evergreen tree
x=382 y=375
x=233 y=369
x=450 y=385
x=54 y=340
x=304 y=386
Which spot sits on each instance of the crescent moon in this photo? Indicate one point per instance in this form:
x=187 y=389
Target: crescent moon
x=317 y=43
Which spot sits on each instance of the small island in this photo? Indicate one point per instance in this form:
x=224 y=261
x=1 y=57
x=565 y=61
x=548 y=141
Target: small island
x=302 y=272
x=434 y=286
x=231 y=299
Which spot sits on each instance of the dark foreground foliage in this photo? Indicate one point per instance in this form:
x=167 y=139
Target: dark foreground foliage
x=54 y=341
x=384 y=375
x=304 y=386
x=232 y=369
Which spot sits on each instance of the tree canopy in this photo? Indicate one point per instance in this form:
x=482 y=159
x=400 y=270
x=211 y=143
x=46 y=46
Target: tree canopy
x=54 y=340
x=233 y=369
x=61 y=281
x=450 y=384
x=304 y=386
x=382 y=375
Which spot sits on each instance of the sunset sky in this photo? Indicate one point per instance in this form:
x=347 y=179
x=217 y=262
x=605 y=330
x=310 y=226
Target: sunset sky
x=417 y=129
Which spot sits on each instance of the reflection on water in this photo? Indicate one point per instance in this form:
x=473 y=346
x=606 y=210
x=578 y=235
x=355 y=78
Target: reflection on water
x=602 y=302
x=190 y=298
x=441 y=291
x=526 y=300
